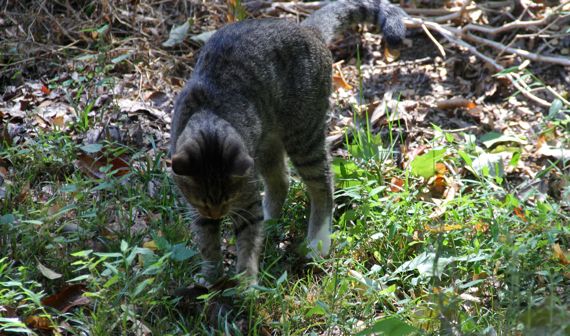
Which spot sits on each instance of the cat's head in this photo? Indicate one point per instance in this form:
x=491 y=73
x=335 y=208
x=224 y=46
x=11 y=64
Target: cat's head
x=211 y=169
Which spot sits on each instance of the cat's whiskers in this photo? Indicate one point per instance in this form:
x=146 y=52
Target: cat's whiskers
x=240 y=216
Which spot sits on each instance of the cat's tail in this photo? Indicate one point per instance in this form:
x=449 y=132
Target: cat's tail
x=337 y=16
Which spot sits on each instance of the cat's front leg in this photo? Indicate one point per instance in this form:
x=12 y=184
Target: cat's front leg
x=248 y=226
x=207 y=237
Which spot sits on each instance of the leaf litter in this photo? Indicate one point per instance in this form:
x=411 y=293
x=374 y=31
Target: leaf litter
x=457 y=93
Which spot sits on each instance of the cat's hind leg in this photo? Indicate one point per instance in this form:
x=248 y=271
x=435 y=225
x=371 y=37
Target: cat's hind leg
x=313 y=164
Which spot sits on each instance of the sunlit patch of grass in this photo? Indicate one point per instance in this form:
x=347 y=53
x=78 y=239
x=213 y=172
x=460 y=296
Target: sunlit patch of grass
x=486 y=264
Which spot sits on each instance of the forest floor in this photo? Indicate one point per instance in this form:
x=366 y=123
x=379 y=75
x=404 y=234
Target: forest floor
x=452 y=185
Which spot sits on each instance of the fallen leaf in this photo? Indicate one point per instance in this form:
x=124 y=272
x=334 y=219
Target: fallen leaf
x=560 y=255
x=92 y=166
x=442 y=228
x=23 y=193
x=440 y=168
x=396 y=184
x=540 y=141
x=339 y=81
x=519 y=212
x=481 y=227
x=492 y=138
x=39 y=323
x=48 y=273
x=45 y=90
x=151 y=245
x=177 y=34
x=7 y=311
x=58 y=121
x=438 y=186
x=67 y=298
x=454 y=103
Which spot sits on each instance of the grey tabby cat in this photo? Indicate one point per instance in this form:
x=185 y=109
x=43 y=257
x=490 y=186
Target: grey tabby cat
x=260 y=91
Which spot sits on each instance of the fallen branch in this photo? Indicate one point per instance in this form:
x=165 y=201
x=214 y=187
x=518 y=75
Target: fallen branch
x=524 y=53
x=510 y=26
x=451 y=35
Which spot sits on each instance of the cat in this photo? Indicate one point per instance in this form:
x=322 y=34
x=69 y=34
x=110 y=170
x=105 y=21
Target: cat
x=260 y=93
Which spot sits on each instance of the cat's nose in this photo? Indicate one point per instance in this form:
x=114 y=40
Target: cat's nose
x=215 y=213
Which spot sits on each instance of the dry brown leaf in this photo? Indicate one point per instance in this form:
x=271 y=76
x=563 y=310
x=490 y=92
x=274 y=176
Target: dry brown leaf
x=340 y=82
x=455 y=103
x=540 y=141
x=396 y=184
x=67 y=298
x=440 y=168
x=39 y=323
x=91 y=166
x=23 y=193
x=438 y=186
x=58 y=121
x=560 y=255
x=449 y=195
x=481 y=227
x=519 y=212
x=442 y=228
x=8 y=311
x=45 y=90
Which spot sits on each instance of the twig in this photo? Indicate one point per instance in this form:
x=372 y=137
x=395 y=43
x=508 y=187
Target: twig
x=450 y=34
x=437 y=44
x=527 y=54
x=509 y=26
x=458 y=14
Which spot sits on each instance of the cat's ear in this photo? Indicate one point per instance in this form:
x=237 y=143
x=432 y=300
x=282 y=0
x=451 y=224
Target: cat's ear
x=242 y=165
x=184 y=162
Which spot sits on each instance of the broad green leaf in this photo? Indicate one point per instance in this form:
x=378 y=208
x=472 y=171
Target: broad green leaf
x=7 y=219
x=140 y=287
x=488 y=164
x=180 y=252
x=492 y=138
x=555 y=107
x=47 y=272
x=91 y=148
x=424 y=165
x=426 y=265
x=390 y=326
x=465 y=157
x=124 y=246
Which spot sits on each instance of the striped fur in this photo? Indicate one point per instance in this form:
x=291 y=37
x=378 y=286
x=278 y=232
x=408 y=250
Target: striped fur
x=260 y=93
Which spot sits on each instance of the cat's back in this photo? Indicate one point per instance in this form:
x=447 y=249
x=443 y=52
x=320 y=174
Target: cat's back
x=264 y=54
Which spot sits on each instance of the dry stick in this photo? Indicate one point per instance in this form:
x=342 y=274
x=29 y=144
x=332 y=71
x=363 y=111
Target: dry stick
x=437 y=44
x=509 y=26
x=448 y=33
x=526 y=54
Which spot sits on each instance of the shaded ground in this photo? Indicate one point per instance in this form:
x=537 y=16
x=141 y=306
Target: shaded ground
x=101 y=74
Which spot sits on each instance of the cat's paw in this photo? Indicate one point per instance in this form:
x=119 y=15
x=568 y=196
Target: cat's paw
x=201 y=280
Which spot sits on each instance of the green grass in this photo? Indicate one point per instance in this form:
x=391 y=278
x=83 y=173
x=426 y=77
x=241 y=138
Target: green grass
x=485 y=265
x=477 y=268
